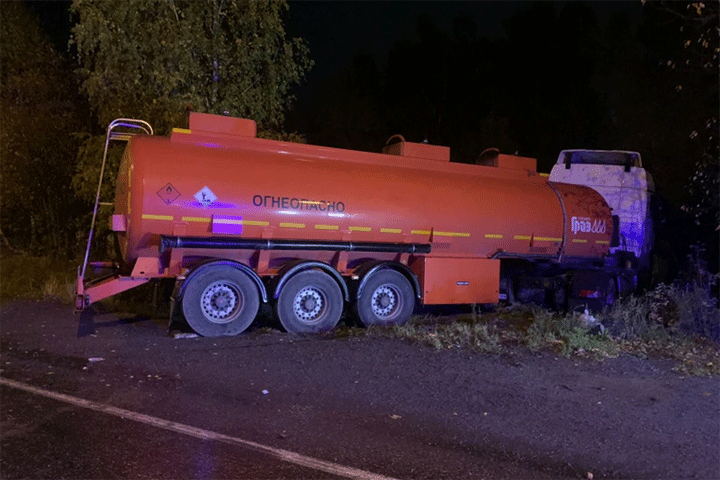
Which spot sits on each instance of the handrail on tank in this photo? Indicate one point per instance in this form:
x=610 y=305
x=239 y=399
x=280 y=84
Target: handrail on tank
x=131 y=123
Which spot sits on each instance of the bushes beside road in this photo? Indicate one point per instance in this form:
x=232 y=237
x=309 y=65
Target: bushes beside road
x=677 y=322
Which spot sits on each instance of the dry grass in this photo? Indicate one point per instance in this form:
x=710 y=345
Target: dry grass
x=466 y=333
x=37 y=278
x=671 y=322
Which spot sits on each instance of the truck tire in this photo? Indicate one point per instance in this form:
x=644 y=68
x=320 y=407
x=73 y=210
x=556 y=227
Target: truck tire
x=221 y=300
x=611 y=292
x=310 y=302
x=387 y=298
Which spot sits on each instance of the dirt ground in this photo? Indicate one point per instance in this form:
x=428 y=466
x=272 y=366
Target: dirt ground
x=442 y=413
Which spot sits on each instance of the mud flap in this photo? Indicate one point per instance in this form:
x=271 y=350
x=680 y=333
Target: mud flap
x=177 y=319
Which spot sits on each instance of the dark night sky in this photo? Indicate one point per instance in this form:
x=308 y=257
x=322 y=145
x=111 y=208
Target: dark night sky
x=336 y=31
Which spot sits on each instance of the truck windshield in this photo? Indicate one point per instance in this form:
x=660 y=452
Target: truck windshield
x=600 y=158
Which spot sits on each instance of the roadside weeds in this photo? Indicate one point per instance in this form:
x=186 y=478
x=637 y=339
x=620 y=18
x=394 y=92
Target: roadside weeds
x=668 y=322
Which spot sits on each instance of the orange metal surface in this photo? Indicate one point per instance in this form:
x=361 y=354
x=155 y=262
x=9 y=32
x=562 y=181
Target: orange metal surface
x=203 y=122
x=418 y=150
x=457 y=280
x=588 y=221
x=516 y=163
x=205 y=183
x=109 y=287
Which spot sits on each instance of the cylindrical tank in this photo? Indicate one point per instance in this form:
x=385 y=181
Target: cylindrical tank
x=205 y=184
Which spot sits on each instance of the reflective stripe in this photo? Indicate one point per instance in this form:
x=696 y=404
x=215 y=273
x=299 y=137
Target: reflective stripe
x=548 y=239
x=157 y=217
x=227 y=221
x=261 y=223
x=493 y=235
x=522 y=237
x=579 y=240
x=181 y=130
x=603 y=242
x=230 y=221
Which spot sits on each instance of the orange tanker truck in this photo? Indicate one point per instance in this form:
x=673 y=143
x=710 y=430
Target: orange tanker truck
x=238 y=221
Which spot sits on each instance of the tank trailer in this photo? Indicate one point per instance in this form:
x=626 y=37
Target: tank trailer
x=237 y=221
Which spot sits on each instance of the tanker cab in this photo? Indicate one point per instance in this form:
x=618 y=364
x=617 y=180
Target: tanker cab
x=626 y=187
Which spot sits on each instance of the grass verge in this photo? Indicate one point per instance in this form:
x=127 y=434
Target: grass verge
x=682 y=324
x=45 y=278
x=37 y=278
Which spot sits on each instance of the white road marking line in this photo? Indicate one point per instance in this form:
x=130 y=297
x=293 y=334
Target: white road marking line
x=280 y=454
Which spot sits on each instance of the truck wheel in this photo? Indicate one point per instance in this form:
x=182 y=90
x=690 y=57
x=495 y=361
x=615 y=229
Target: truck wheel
x=611 y=291
x=310 y=302
x=560 y=295
x=386 y=299
x=220 y=301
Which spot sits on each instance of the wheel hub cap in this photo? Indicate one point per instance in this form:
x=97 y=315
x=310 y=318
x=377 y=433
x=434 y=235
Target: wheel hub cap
x=385 y=301
x=308 y=304
x=220 y=302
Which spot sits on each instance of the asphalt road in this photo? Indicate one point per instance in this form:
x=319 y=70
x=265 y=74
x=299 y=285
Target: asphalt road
x=271 y=405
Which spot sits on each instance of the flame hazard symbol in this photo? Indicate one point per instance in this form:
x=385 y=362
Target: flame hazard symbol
x=168 y=193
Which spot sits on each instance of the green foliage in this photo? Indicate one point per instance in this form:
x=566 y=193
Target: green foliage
x=470 y=333
x=39 y=110
x=579 y=341
x=27 y=277
x=546 y=328
x=550 y=330
x=154 y=59
x=693 y=64
x=682 y=323
x=157 y=59
x=668 y=310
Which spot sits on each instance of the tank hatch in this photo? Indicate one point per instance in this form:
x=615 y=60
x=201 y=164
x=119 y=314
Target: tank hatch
x=397 y=145
x=207 y=123
x=493 y=158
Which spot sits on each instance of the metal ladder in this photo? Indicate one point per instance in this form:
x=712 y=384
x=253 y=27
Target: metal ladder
x=137 y=127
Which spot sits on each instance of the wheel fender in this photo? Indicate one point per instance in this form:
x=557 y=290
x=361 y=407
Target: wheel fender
x=180 y=290
x=366 y=271
x=292 y=268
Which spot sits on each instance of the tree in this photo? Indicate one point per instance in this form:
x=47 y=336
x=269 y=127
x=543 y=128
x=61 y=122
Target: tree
x=154 y=59
x=692 y=57
x=157 y=59
x=40 y=113
x=697 y=64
